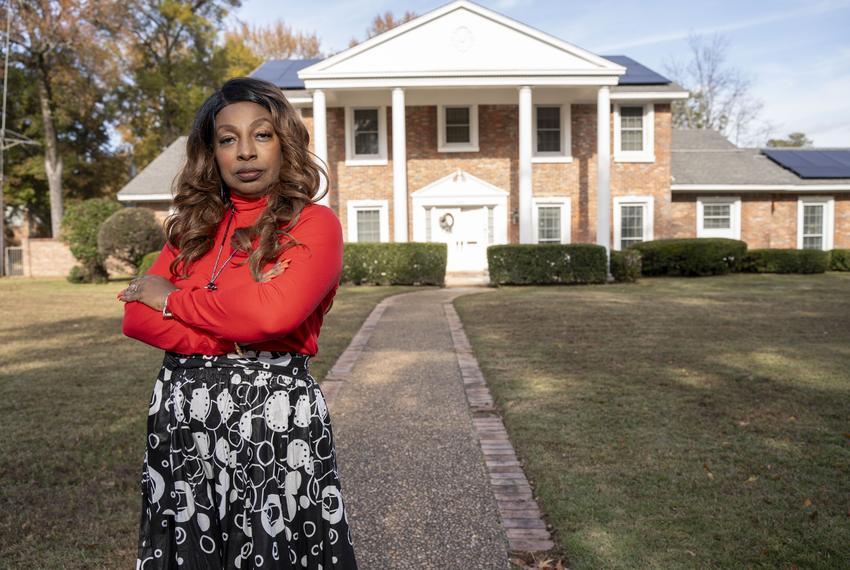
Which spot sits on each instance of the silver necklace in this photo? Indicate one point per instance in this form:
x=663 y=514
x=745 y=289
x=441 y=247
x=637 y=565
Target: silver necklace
x=211 y=286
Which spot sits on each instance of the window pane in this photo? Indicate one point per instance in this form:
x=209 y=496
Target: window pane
x=631 y=128
x=548 y=117
x=457 y=115
x=631 y=224
x=366 y=131
x=365 y=120
x=366 y=143
x=812 y=242
x=549 y=224
x=631 y=140
x=717 y=216
x=368 y=225
x=812 y=219
x=457 y=134
x=549 y=141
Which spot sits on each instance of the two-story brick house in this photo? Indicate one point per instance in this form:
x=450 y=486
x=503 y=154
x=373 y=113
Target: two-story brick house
x=467 y=127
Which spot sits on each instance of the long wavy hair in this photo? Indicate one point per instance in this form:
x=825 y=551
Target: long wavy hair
x=202 y=199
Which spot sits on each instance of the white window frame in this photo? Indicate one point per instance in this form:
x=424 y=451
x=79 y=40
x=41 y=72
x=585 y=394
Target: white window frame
x=734 y=232
x=472 y=145
x=828 y=219
x=352 y=206
x=648 y=152
x=648 y=214
x=566 y=154
x=564 y=203
x=352 y=159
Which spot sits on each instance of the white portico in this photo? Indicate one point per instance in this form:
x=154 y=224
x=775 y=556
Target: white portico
x=461 y=55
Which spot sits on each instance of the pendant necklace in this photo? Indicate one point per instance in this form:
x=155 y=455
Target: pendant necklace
x=211 y=286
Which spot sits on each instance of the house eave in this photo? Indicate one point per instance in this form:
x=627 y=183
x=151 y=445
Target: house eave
x=648 y=95
x=785 y=188
x=145 y=197
x=471 y=79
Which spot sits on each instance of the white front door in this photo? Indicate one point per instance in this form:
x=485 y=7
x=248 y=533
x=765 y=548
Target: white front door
x=465 y=230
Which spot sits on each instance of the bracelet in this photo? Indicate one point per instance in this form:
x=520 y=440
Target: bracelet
x=166 y=314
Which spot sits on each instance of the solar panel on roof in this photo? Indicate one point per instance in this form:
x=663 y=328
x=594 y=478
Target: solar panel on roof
x=284 y=72
x=636 y=73
x=812 y=163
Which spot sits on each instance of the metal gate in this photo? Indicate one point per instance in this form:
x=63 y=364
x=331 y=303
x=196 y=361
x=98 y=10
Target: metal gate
x=14 y=261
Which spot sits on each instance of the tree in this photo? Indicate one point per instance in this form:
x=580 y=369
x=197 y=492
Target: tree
x=64 y=50
x=172 y=67
x=383 y=23
x=80 y=227
x=721 y=95
x=275 y=41
x=792 y=140
x=129 y=235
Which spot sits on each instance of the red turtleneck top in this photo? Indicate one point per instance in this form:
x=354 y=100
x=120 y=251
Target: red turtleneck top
x=283 y=314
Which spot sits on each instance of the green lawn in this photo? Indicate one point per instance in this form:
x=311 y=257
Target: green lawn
x=74 y=394
x=679 y=423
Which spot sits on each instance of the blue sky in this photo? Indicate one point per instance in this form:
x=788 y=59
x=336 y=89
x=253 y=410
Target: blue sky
x=796 y=52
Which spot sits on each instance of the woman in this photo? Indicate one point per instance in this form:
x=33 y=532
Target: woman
x=240 y=467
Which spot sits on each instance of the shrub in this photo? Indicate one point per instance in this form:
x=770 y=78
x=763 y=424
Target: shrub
x=395 y=263
x=625 y=265
x=80 y=226
x=129 y=234
x=76 y=275
x=785 y=261
x=690 y=256
x=146 y=263
x=839 y=260
x=546 y=263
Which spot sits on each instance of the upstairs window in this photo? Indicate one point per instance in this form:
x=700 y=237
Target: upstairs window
x=551 y=137
x=634 y=132
x=457 y=127
x=365 y=135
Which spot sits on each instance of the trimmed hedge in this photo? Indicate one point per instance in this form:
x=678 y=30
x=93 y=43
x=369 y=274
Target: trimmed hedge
x=625 y=265
x=839 y=260
x=546 y=263
x=395 y=263
x=785 y=261
x=129 y=234
x=146 y=263
x=689 y=257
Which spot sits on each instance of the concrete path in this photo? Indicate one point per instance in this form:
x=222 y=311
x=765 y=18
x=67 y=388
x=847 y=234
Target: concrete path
x=412 y=470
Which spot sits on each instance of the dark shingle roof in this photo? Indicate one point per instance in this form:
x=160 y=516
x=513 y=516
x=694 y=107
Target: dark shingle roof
x=158 y=176
x=705 y=157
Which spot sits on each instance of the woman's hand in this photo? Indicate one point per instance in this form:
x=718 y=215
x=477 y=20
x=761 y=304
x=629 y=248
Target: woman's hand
x=148 y=289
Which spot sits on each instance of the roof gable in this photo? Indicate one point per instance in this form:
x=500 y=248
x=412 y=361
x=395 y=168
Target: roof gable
x=156 y=179
x=459 y=184
x=461 y=38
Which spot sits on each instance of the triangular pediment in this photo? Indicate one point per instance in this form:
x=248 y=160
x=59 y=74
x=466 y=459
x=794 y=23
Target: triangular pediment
x=460 y=184
x=461 y=39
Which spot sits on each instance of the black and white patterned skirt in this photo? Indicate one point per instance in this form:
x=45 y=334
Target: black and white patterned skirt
x=240 y=468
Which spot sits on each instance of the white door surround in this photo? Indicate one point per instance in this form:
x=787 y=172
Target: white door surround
x=474 y=215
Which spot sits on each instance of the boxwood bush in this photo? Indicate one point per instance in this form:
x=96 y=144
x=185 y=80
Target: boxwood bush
x=785 y=261
x=839 y=260
x=546 y=263
x=690 y=257
x=625 y=265
x=395 y=263
x=129 y=234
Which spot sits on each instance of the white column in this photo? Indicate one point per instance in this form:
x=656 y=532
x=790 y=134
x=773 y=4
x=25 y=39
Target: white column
x=525 y=229
x=603 y=171
x=399 y=168
x=320 y=137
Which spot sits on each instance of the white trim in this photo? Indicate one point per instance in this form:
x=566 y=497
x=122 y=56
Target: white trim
x=648 y=152
x=565 y=155
x=564 y=203
x=734 y=232
x=828 y=219
x=640 y=95
x=351 y=217
x=648 y=214
x=145 y=197
x=324 y=68
x=366 y=160
x=759 y=187
x=472 y=145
